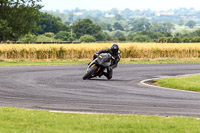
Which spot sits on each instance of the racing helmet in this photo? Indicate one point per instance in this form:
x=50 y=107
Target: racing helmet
x=115 y=48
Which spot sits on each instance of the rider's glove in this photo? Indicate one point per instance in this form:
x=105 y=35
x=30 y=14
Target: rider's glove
x=95 y=56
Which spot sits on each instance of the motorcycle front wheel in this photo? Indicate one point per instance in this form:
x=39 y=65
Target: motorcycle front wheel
x=89 y=73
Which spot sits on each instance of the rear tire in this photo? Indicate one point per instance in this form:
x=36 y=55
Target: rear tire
x=90 y=72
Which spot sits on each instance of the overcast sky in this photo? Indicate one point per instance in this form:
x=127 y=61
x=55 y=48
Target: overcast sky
x=120 y=4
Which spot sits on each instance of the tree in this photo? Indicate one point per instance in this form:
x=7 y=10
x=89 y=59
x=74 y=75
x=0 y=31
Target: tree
x=87 y=27
x=109 y=27
x=49 y=34
x=65 y=36
x=166 y=34
x=43 y=38
x=181 y=22
x=119 y=17
x=117 y=34
x=29 y=38
x=50 y=23
x=151 y=35
x=114 y=11
x=118 y=26
x=87 y=38
x=175 y=40
x=47 y=37
x=162 y=27
x=18 y=17
x=156 y=27
x=131 y=21
x=168 y=26
x=191 y=24
x=196 y=33
x=141 y=38
x=70 y=17
x=127 y=13
x=141 y=25
x=122 y=38
x=5 y=30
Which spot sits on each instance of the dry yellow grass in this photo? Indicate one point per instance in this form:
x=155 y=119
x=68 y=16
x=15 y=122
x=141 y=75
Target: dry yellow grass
x=79 y=51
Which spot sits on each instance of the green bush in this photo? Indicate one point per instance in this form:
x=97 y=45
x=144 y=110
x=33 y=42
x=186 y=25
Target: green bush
x=197 y=39
x=65 y=36
x=187 y=39
x=116 y=34
x=141 y=38
x=87 y=38
x=162 y=40
x=122 y=38
x=28 y=38
x=49 y=34
x=43 y=38
x=176 y=40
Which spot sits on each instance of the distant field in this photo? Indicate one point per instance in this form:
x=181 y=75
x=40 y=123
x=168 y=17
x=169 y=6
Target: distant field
x=86 y=51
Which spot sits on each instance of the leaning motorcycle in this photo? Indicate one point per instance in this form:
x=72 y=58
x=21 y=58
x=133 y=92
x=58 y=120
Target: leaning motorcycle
x=98 y=65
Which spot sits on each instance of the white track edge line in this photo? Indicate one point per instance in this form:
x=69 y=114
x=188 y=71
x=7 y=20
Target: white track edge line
x=76 y=112
x=143 y=83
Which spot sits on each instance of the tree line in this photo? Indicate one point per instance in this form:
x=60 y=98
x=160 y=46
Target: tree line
x=178 y=16
x=18 y=18
x=22 y=21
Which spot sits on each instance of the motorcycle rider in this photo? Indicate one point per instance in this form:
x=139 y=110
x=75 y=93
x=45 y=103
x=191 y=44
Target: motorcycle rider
x=114 y=51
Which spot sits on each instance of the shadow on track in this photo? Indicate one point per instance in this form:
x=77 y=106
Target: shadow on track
x=96 y=79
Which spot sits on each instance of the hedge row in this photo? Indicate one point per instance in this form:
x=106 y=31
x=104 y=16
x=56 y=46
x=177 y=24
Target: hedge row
x=178 y=40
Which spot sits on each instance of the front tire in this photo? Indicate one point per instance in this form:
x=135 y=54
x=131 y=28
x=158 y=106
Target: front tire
x=90 y=72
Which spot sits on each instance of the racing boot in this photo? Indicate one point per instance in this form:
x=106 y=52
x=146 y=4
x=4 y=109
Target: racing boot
x=109 y=73
x=101 y=74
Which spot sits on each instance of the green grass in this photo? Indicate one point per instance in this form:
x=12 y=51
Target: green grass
x=39 y=63
x=23 y=120
x=189 y=83
x=158 y=61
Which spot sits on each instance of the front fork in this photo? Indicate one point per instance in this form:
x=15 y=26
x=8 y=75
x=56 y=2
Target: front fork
x=93 y=64
x=98 y=72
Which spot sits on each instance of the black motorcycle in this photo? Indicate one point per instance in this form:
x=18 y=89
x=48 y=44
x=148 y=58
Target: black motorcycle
x=98 y=65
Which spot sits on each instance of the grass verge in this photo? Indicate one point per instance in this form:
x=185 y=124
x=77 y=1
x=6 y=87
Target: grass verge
x=85 y=61
x=189 y=83
x=157 y=61
x=23 y=120
x=40 y=63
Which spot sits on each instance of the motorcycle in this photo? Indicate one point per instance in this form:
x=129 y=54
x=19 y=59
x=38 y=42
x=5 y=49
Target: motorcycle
x=98 y=65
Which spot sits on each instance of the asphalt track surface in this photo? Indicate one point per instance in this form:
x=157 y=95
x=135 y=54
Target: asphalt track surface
x=61 y=88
